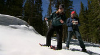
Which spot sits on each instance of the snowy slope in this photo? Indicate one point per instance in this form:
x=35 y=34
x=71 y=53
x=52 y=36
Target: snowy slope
x=15 y=22
x=22 y=40
x=11 y=20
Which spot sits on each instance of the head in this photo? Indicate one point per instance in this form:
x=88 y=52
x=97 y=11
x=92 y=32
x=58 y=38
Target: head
x=73 y=13
x=61 y=8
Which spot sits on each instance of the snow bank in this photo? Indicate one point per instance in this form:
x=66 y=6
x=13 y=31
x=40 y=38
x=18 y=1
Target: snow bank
x=15 y=22
x=23 y=42
x=11 y=20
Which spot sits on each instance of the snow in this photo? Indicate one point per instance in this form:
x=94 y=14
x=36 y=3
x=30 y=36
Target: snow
x=24 y=40
x=11 y=20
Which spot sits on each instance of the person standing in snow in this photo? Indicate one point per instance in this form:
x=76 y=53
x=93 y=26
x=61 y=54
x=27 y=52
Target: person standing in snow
x=73 y=24
x=58 y=19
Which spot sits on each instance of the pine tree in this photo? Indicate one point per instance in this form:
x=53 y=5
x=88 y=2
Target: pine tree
x=83 y=22
x=33 y=14
x=2 y=3
x=92 y=21
x=49 y=12
x=11 y=7
x=96 y=24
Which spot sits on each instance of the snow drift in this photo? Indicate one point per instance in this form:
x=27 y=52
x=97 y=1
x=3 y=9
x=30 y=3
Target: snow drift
x=14 y=22
x=11 y=20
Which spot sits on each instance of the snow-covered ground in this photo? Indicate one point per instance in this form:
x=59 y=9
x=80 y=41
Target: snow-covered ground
x=23 y=40
x=11 y=20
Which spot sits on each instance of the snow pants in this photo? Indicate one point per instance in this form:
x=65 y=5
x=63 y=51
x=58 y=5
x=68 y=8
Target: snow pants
x=50 y=32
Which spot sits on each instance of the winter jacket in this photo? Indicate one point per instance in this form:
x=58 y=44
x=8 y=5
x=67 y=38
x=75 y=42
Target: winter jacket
x=70 y=25
x=56 y=18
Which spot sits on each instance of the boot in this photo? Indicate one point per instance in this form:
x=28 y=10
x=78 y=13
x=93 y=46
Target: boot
x=84 y=50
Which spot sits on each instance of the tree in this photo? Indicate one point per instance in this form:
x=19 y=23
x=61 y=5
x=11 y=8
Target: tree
x=2 y=3
x=95 y=9
x=83 y=21
x=49 y=11
x=33 y=15
x=89 y=19
x=11 y=7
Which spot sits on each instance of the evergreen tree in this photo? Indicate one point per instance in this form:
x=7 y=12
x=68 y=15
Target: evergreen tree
x=89 y=19
x=2 y=3
x=83 y=21
x=95 y=19
x=33 y=15
x=49 y=12
x=11 y=7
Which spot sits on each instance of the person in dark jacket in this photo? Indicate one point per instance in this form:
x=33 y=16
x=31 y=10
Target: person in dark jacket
x=73 y=24
x=58 y=19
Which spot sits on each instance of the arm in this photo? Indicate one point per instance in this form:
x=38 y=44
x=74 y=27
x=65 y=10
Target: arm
x=69 y=24
x=50 y=17
x=63 y=19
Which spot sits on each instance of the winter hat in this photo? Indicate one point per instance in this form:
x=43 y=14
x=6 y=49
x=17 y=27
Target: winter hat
x=61 y=6
x=73 y=12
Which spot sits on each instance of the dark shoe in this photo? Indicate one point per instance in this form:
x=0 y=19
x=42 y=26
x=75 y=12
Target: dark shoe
x=44 y=45
x=84 y=50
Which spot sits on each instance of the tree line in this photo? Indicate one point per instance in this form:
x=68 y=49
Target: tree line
x=90 y=21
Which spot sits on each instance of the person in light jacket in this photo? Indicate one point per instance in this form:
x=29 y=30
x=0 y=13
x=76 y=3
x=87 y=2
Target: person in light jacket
x=73 y=24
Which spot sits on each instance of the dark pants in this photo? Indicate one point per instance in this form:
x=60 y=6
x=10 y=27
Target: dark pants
x=77 y=33
x=50 y=32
